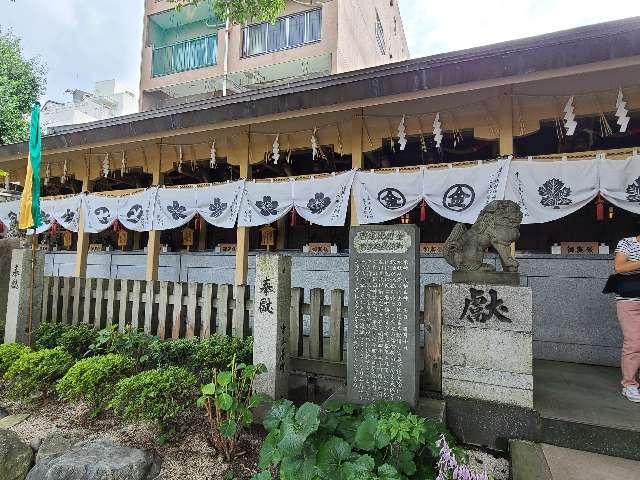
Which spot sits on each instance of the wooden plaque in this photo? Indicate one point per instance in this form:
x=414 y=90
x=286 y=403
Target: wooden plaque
x=95 y=247
x=67 y=239
x=227 y=247
x=319 y=247
x=187 y=237
x=434 y=248
x=123 y=236
x=579 y=248
x=267 y=236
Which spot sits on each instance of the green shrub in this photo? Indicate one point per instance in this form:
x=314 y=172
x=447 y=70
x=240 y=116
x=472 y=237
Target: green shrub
x=36 y=372
x=93 y=379
x=229 y=402
x=218 y=351
x=76 y=339
x=383 y=441
x=131 y=343
x=9 y=353
x=48 y=335
x=155 y=396
x=177 y=353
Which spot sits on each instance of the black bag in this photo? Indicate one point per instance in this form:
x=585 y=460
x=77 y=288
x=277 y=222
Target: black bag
x=627 y=286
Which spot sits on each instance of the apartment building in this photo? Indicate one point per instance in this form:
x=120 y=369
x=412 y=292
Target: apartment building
x=190 y=55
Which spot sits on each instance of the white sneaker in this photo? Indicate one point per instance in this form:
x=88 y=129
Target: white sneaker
x=631 y=393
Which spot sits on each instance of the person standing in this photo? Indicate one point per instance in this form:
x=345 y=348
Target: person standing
x=626 y=264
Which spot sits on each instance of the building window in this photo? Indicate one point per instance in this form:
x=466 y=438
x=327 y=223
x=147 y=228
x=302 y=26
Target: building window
x=287 y=32
x=380 y=35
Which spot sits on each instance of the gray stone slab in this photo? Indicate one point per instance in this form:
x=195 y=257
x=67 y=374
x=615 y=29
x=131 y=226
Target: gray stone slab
x=23 y=291
x=382 y=338
x=485 y=348
x=489 y=393
x=271 y=317
x=12 y=420
x=469 y=306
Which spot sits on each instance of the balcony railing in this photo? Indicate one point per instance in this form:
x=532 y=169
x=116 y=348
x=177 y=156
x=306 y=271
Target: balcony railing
x=183 y=56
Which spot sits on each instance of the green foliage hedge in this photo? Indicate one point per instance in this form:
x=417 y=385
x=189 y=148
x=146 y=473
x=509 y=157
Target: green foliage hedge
x=37 y=372
x=382 y=441
x=9 y=353
x=93 y=378
x=157 y=396
x=75 y=339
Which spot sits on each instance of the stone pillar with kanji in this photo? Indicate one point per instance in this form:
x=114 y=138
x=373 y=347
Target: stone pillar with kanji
x=271 y=316
x=487 y=343
x=22 y=290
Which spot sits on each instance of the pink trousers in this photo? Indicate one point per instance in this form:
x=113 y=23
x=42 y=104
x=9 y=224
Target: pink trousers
x=629 y=317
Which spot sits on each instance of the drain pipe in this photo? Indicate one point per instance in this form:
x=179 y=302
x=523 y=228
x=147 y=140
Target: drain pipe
x=227 y=36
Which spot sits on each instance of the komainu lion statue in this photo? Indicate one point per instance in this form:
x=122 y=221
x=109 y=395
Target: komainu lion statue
x=497 y=226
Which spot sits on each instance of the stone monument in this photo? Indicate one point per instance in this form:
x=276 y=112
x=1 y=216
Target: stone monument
x=487 y=317
x=271 y=316
x=497 y=226
x=382 y=362
x=20 y=290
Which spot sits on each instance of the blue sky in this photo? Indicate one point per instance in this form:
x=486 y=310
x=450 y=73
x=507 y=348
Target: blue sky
x=82 y=41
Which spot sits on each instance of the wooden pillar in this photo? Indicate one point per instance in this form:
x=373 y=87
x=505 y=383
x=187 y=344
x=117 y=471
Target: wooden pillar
x=506 y=130
x=82 y=247
x=283 y=227
x=153 y=243
x=242 y=241
x=357 y=157
x=202 y=236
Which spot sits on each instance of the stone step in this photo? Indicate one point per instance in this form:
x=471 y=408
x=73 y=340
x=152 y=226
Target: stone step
x=12 y=420
x=536 y=461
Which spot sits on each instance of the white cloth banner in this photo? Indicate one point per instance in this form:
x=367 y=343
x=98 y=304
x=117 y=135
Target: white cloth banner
x=620 y=182
x=547 y=191
x=460 y=193
x=65 y=211
x=99 y=212
x=135 y=210
x=324 y=201
x=9 y=217
x=265 y=202
x=219 y=204
x=174 y=207
x=383 y=196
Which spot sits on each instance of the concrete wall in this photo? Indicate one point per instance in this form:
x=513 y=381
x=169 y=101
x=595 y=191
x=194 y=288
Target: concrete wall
x=573 y=321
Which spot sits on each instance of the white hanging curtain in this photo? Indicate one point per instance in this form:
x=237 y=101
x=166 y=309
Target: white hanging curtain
x=9 y=217
x=620 y=182
x=383 y=196
x=174 y=207
x=265 y=202
x=135 y=210
x=99 y=212
x=324 y=201
x=65 y=211
x=547 y=191
x=219 y=204
x=460 y=193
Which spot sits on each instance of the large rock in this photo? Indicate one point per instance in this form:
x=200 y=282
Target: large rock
x=15 y=456
x=93 y=460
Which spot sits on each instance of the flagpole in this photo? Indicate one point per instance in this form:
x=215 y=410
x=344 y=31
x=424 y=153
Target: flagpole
x=34 y=244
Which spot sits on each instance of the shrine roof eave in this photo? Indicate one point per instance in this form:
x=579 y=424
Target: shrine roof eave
x=581 y=46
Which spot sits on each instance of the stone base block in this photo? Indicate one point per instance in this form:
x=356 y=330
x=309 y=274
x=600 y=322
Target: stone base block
x=486 y=278
x=487 y=343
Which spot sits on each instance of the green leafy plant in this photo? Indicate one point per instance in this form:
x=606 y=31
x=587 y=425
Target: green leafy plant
x=218 y=351
x=93 y=379
x=132 y=343
x=9 y=353
x=229 y=402
x=37 y=372
x=156 y=396
x=383 y=441
x=76 y=339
